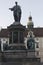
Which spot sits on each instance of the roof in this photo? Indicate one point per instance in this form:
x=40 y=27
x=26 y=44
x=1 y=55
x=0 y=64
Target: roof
x=38 y=32
x=4 y=33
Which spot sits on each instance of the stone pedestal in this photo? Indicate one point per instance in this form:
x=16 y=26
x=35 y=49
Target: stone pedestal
x=16 y=36
x=17 y=54
x=20 y=57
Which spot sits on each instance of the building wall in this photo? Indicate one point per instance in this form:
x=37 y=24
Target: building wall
x=40 y=39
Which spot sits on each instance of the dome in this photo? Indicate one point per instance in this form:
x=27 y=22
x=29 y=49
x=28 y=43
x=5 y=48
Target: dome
x=30 y=24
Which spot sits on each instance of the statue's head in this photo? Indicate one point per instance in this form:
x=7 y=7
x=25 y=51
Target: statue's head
x=16 y=3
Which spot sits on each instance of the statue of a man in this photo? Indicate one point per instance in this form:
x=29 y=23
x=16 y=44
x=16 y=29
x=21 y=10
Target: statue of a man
x=16 y=12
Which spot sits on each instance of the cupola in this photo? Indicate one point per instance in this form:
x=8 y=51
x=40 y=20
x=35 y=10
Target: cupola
x=30 y=23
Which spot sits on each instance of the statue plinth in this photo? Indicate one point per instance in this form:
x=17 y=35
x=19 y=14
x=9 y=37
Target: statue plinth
x=16 y=23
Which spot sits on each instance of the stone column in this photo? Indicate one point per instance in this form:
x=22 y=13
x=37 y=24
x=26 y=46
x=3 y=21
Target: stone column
x=1 y=46
x=19 y=37
x=12 y=37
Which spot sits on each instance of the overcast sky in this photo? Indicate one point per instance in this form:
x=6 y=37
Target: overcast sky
x=27 y=6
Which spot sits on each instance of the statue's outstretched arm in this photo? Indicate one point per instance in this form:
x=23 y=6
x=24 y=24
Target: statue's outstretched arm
x=11 y=9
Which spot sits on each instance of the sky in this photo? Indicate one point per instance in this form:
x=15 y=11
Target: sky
x=27 y=6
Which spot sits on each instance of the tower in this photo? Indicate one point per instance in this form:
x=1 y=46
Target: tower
x=30 y=36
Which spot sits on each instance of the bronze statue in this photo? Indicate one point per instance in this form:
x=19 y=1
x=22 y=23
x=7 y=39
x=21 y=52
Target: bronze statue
x=16 y=12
